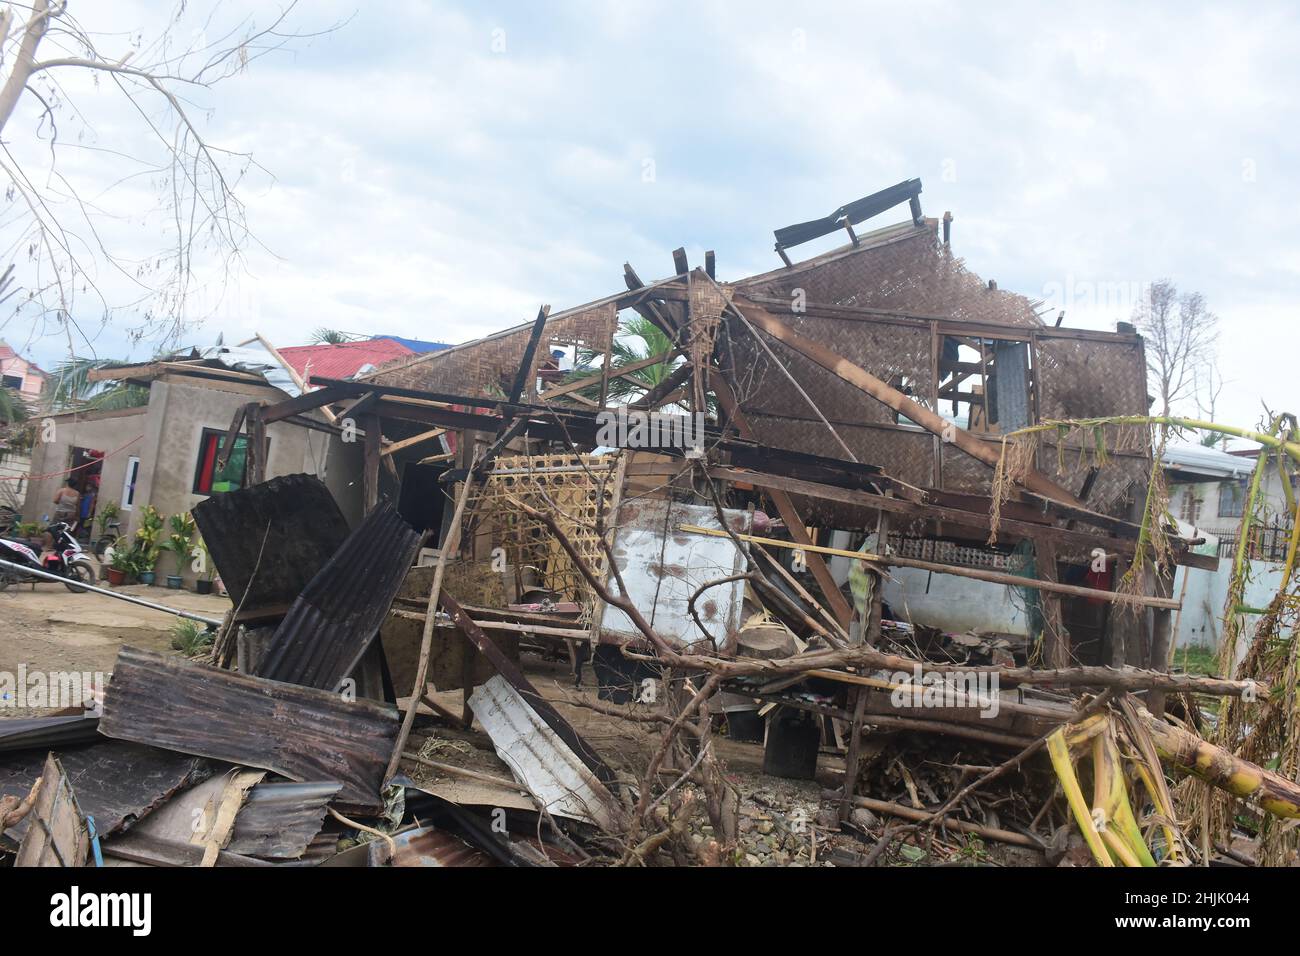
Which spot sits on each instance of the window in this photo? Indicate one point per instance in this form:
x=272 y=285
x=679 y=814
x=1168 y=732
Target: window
x=208 y=478
x=128 y=483
x=13 y=381
x=993 y=378
x=1191 y=505
x=1232 y=499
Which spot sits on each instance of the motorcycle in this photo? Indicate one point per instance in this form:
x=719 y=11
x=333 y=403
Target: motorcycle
x=67 y=560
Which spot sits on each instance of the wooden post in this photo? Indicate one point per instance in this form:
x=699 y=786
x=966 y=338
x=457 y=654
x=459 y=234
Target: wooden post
x=370 y=473
x=450 y=543
x=835 y=600
x=1056 y=640
x=1162 y=635
x=853 y=758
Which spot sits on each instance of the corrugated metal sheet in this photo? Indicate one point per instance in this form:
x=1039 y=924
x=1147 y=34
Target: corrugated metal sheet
x=540 y=760
x=663 y=566
x=285 y=530
x=299 y=732
x=344 y=359
x=280 y=820
x=46 y=733
x=116 y=782
x=429 y=846
x=338 y=615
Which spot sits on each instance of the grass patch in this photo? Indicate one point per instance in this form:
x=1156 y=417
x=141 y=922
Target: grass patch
x=190 y=637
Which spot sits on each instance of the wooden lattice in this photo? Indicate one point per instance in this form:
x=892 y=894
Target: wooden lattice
x=577 y=490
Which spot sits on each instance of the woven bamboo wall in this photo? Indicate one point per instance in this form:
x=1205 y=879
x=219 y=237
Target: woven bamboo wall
x=886 y=351
x=909 y=274
x=575 y=490
x=488 y=365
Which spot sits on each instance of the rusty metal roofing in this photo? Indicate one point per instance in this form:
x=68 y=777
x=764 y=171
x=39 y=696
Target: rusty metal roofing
x=302 y=733
x=47 y=733
x=280 y=820
x=337 y=616
x=268 y=541
x=116 y=782
x=429 y=846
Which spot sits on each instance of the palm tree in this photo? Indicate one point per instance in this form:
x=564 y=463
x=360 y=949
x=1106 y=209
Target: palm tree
x=17 y=431
x=637 y=339
x=13 y=408
x=323 y=336
x=72 y=387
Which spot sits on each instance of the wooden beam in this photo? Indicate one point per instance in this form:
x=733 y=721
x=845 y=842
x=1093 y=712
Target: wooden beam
x=863 y=380
x=679 y=261
x=530 y=353
x=588 y=380
x=993 y=577
x=397 y=446
x=451 y=542
x=370 y=473
x=839 y=606
x=303 y=403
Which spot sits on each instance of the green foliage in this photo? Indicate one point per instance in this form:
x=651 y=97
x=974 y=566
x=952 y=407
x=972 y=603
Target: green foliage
x=637 y=339
x=72 y=387
x=13 y=407
x=148 y=537
x=180 y=541
x=190 y=637
x=27 y=529
x=105 y=514
x=323 y=336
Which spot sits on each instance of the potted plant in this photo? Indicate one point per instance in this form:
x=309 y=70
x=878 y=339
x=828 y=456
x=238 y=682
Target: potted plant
x=30 y=533
x=147 y=538
x=180 y=542
x=121 y=565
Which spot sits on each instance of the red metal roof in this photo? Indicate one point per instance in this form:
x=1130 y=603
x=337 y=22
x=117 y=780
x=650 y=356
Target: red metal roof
x=343 y=360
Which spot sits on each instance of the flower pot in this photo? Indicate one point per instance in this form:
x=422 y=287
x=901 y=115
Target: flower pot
x=146 y=577
x=202 y=587
x=174 y=582
x=116 y=577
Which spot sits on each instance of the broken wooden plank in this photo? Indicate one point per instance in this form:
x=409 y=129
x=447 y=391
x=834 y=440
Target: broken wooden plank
x=302 y=733
x=57 y=833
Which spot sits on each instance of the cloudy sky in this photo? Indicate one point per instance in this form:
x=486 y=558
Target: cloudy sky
x=438 y=170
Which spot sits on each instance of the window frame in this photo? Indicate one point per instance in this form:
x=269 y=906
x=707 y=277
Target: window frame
x=1238 y=490
x=217 y=435
x=127 y=501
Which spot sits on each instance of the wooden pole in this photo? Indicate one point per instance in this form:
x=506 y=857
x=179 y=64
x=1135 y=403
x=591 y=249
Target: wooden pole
x=370 y=473
x=449 y=545
x=994 y=577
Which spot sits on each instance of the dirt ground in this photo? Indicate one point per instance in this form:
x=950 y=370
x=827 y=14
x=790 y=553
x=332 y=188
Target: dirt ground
x=48 y=628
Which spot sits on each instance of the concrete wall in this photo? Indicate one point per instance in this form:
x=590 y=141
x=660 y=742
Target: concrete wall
x=103 y=431
x=1272 y=497
x=169 y=432
x=1200 y=623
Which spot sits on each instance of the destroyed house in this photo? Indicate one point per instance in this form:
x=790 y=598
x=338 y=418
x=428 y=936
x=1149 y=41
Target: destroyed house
x=861 y=396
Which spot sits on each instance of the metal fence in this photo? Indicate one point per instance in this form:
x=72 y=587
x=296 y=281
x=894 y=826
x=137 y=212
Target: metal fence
x=1267 y=542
